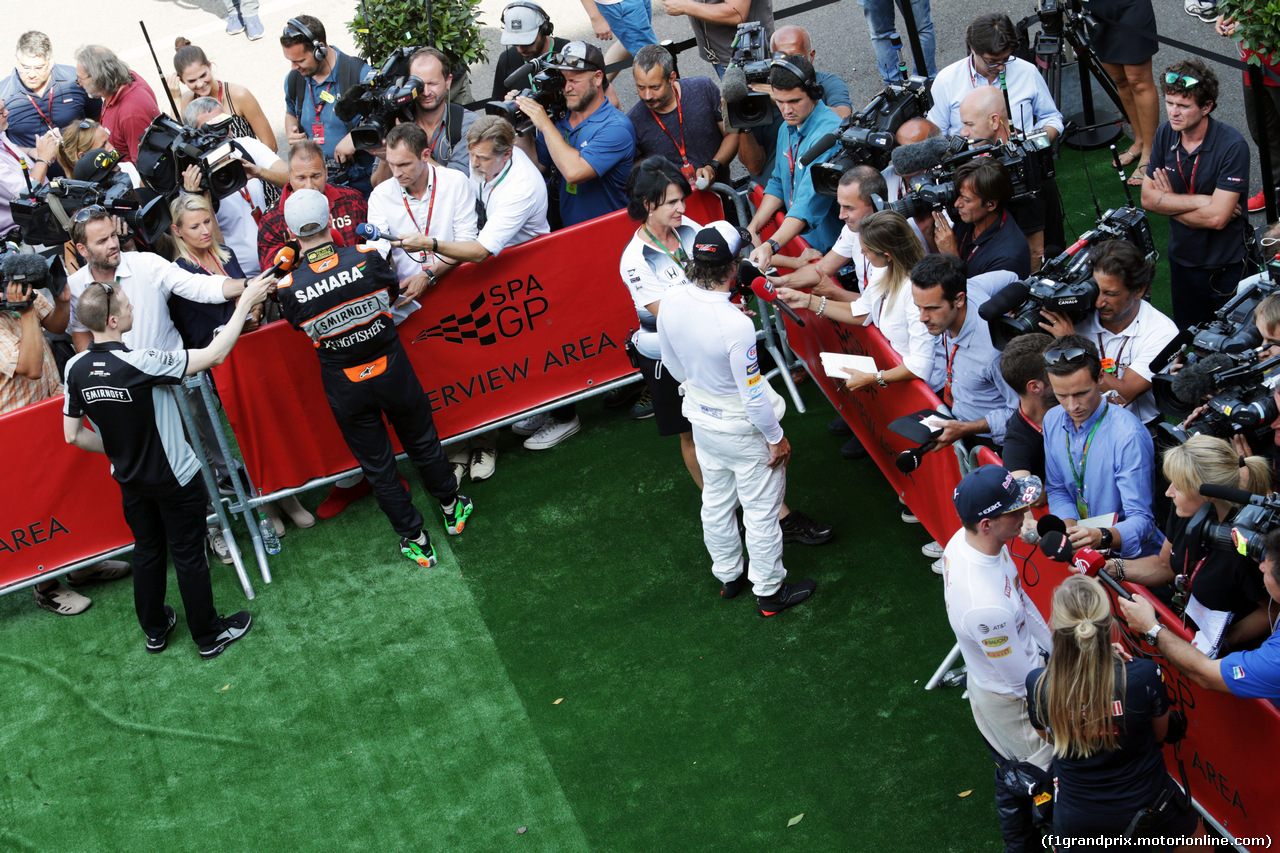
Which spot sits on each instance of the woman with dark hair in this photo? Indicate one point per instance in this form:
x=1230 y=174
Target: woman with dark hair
x=196 y=72
x=652 y=262
x=1106 y=718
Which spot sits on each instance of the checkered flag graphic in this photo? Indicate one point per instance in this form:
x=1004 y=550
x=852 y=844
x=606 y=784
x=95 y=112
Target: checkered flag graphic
x=472 y=326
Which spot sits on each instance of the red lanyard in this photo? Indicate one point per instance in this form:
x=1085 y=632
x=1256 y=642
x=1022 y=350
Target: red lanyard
x=971 y=238
x=1191 y=187
x=1030 y=423
x=947 y=396
x=1123 y=343
x=15 y=155
x=791 y=162
x=319 y=102
x=256 y=211
x=48 y=119
x=431 y=206
x=680 y=145
x=216 y=263
x=435 y=139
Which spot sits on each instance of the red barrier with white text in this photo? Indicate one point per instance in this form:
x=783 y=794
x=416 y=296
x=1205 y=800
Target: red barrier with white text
x=61 y=504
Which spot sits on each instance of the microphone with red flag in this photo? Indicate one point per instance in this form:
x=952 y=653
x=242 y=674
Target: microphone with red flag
x=764 y=289
x=1055 y=545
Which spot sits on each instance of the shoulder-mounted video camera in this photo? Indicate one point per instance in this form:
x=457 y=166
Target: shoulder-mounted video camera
x=45 y=213
x=535 y=79
x=168 y=148
x=749 y=63
x=866 y=137
x=30 y=270
x=1064 y=284
x=1243 y=534
x=387 y=97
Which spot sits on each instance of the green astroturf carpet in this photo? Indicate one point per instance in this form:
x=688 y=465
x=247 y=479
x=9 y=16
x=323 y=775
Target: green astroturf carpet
x=567 y=669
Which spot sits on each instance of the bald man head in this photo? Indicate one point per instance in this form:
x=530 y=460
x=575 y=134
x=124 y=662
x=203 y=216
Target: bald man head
x=915 y=130
x=792 y=40
x=983 y=115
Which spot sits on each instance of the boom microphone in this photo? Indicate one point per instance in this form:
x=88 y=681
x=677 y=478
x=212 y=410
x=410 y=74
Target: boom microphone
x=763 y=288
x=519 y=78
x=1226 y=493
x=819 y=148
x=921 y=156
x=734 y=87
x=1003 y=301
x=347 y=107
x=29 y=269
x=1194 y=382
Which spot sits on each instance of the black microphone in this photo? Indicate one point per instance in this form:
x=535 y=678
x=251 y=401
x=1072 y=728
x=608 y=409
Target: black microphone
x=347 y=107
x=1056 y=546
x=1050 y=522
x=920 y=156
x=519 y=78
x=1194 y=382
x=1226 y=493
x=734 y=86
x=1089 y=562
x=911 y=459
x=1003 y=301
x=28 y=269
x=819 y=148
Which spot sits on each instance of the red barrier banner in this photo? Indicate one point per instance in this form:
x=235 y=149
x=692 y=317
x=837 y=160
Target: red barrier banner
x=542 y=321
x=61 y=506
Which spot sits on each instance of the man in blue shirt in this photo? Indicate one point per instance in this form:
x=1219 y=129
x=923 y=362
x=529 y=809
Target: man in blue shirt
x=42 y=96
x=1251 y=674
x=591 y=147
x=320 y=74
x=808 y=214
x=1099 y=458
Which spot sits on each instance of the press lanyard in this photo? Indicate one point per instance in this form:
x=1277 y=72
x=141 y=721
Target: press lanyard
x=48 y=119
x=255 y=211
x=680 y=118
x=1031 y=423
x=680 y=258
x=431 y=206
x=317 y=98
x=216 y=263
x=1082 y=506
x=791 y=163
x=947 y=396
x=502 y=177
x=435 y=137
x=1191 y=187
x=971 y=238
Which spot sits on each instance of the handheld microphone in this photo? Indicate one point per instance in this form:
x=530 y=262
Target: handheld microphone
x=1055 y=545
x=763 y=288
x=819 y=148
x=922 y=156
x=1086 y=561
x=702 y=183
x=911 y=459
x=283 y=261
x=734 y=86
x=368 y=231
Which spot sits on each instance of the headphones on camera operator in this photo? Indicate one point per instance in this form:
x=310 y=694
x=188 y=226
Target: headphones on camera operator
x=545 y=28
x=808 y=82
x=319 y=49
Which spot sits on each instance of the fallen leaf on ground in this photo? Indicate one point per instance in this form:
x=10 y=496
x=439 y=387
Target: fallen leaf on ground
x=558 y=701
x=795 y=819
x=965 y=793
x=522 y=830
x=224 y=687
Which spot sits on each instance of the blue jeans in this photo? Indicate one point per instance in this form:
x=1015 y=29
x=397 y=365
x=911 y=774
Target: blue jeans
x=879 y=14
x=631 y=22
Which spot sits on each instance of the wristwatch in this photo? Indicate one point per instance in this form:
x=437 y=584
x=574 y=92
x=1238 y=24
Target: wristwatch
x=1150 y=636
x=715 y=164
x=880 y=379
x=1107 y=538
x=773 y=244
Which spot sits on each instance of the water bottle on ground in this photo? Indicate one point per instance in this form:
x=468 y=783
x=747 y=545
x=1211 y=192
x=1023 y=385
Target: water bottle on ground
x=270 y=540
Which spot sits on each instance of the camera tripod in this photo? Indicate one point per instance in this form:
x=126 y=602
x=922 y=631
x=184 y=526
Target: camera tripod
x=1063 y=22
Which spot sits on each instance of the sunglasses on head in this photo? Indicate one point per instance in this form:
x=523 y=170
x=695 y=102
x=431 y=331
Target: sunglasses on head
x=1187 y=82
x=84 y=214
x=1071 y=355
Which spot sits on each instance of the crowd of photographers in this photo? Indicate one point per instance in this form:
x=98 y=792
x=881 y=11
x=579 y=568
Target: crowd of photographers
x=931 y=213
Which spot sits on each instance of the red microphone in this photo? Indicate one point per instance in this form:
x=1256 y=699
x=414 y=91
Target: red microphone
x=1086 y=561
x=763 y=288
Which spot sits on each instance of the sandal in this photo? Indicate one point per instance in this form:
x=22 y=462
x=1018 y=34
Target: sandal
x=107 y=570
x=1132 y=155
x=1135 y=180
x=62 y=601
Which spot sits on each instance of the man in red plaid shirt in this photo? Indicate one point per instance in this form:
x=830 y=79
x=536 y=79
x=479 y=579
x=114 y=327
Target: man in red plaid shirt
x=307 y=172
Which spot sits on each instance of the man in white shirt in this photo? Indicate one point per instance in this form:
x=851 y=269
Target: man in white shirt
x=1000 y=632
x=991 y=40
x=514 y=198
x=424 y=202
x=239 y=212
x=1128 y=329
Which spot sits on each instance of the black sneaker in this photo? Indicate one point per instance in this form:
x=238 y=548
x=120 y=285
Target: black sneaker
x=839 y=426
x=788 y=595
x=623 y=396
x=853 y=449
x=230 y=629
x=798 y=527
x=643 y=407
x=156 y=646
x=730 y=589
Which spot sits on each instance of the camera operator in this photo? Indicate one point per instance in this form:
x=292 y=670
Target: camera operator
x=1107 y=716
x=514 y=199
x=991 y=41
x=715 y=24
x=364 y=366
x=128 y=104
x=1194 y=578
x=527 y=30
x=307 y=171
x=28 y=371
x=710 y=347
x=680 y=119
x=1001 y=637
x=1022 y=367
x=1199 y=178
x=913 y=131
x=446 y=124
x=240 y=212
x=12 y=182
x=986 y=238
x=1250 y=674
x=807 y=119
x=423 y=204
x=983 y=118
x=320 y=75
x=42 y=96
x=163 y=495
x=1130 y=331
x=1099 y=458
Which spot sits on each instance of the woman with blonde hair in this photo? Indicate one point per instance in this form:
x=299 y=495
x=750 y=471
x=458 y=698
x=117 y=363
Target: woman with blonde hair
x=84 y=136
x=1106 y=717
x=1215 y=586
x=891 y=248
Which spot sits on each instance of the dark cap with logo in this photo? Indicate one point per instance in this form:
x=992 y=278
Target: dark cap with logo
x=718 y=243
x=578 y=56
x=992 y=490
x=95 y=164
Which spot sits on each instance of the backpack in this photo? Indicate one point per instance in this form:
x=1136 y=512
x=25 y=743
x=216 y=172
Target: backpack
x=349 y=70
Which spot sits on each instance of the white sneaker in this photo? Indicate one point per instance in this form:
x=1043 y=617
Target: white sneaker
x=552 y=433
x=218 y=546
x=1205 y=10
x=530 y=425
x=458 y=458
x=484 y=461
x=937 y=566
x=933 y=550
